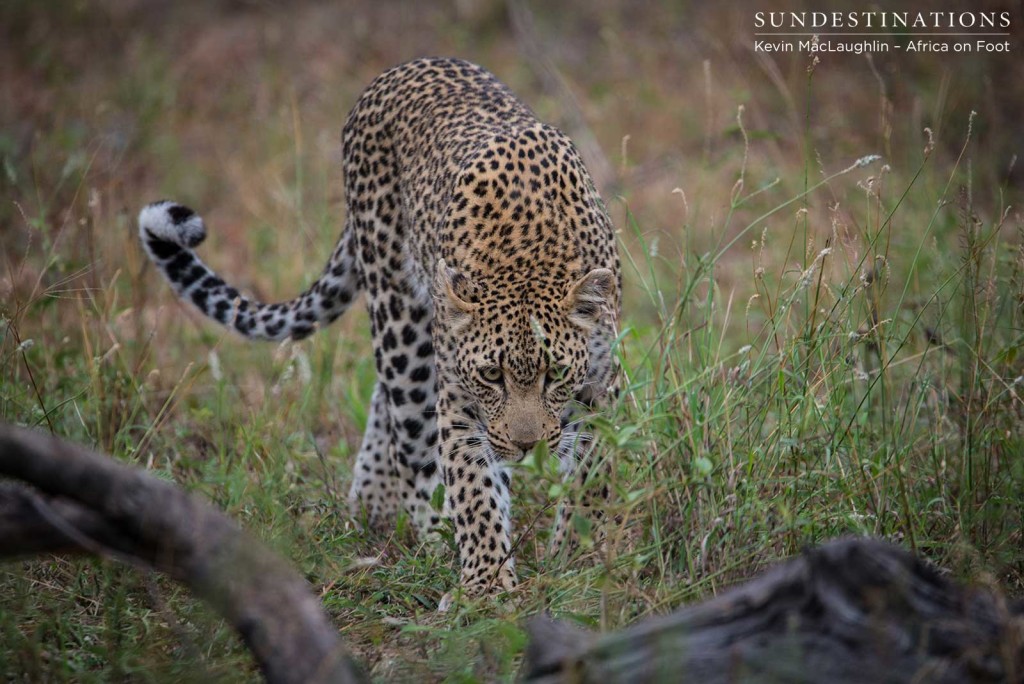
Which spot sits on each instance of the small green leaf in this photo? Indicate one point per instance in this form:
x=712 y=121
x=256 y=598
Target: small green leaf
x=635 y=494
x=581 y=524
x=10 y=171
x=703 y=466
x=622 y=436
x=437 y=498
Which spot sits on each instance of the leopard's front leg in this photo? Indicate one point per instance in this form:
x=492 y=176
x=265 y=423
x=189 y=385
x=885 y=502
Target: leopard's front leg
x=476 y=497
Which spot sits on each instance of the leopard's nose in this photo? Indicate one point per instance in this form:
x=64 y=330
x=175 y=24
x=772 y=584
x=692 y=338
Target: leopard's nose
x=525 y=444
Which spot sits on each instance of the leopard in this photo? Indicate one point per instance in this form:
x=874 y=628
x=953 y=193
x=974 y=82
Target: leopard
x=492 y=279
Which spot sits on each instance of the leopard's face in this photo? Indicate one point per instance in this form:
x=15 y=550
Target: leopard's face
x=522 y=374
x=522 y=353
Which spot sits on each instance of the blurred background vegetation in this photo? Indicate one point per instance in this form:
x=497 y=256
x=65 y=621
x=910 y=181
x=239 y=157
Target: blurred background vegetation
x=813 y=347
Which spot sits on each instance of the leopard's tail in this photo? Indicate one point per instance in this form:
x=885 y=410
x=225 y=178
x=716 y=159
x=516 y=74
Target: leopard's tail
x=170 y=231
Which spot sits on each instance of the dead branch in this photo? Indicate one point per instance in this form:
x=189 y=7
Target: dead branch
x=79 y=501
x=853 y=610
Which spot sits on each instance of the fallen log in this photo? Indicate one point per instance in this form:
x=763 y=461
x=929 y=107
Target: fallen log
x=78 y=501
x=853 y=610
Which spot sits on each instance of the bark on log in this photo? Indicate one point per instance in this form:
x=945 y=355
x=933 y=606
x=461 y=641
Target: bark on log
x=80 y=501
x=853 y=610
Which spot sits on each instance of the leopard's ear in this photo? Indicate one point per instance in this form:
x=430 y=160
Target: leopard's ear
x=589 y=297
x=452 y=294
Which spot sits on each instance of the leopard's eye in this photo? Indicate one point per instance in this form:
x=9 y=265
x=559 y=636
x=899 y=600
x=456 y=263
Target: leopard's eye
x=491 y=374
x=555 y=374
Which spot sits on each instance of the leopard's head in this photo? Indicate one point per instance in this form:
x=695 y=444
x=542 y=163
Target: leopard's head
x=521 y=350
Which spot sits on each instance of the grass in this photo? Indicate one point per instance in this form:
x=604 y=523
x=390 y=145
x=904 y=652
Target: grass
x=812 y=345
